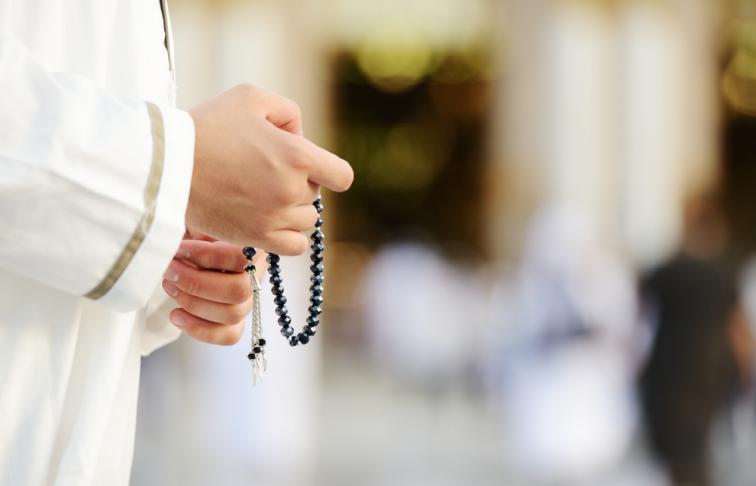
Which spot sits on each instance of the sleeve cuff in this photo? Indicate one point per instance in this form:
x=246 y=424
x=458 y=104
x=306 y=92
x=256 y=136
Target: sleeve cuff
x=173 y=152
x=158 y=331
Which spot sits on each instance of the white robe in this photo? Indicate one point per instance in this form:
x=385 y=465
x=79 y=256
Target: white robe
x=95 y=168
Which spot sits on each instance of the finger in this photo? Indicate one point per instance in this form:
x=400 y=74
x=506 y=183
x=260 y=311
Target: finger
x=227 y=314
x=283 y=113
x=215 y=255
x=326 y=169
x=195 y=235
x=227 y=288
x=310 y=194
x=287 y=243
x=206 y=331
x=299 y=218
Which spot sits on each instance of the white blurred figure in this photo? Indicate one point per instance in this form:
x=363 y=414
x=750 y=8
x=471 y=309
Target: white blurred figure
x=570 y=410
x=425 y=316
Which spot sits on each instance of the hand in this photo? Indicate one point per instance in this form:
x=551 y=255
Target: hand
x=255 y=175
x=207 y=281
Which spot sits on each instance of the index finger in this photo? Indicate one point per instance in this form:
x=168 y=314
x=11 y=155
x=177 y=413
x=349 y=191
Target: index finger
x=327 y=169
x=213 y=255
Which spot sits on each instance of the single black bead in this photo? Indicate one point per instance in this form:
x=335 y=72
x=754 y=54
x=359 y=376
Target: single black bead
x=251 y=356
x=316 y=258
x=314 y=310
x=277 y=290
x=317 y=268
x=317 y=236
x=319 y=208
x=294 y=340
x=273 y=259
x=280 y=300
x=317 y=247
x=249 y=252
x=316 y=299
x=316 y=289
x=313 y=321
x=274 y=270
x=284 y=320
x=303 y=338
x=319 y=223
x=261 y=342
x=287 y=331
x=317 y=279
x=282 y=311
x=257 y=349
x=275 y=280
x=250 y=268
x=309 y=331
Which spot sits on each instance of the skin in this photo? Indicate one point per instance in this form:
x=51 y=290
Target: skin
x=207 y=281
x=255 y=176
x=249 y=149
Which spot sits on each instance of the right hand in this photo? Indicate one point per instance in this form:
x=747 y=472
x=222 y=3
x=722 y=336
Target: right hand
x=255 y=176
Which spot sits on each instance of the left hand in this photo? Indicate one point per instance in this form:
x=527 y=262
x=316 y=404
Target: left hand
x=207 y=281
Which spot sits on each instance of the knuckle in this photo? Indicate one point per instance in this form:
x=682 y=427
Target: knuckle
x=204 y=334
x=240 y=291
x=287 y=194
x=246 y=89
x=263 y=224
x=230 y=335
x=193 y=285
x=204 y=258
x=298 y=157
x=237 y=314
x=190 y=304
x=294 y=108
x=296 y=245
x=312 y=217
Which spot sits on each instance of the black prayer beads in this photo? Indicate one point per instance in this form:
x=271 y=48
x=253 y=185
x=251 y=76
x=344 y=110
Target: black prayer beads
x=276 y=282
x=316 y=289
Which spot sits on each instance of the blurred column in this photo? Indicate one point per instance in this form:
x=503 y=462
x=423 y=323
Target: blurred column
x=669 y=123
x=558 y=106
x=610 y=106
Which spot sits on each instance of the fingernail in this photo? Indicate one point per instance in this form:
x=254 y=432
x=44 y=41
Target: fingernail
x=170 y=289
x=178 y=320
x=172 y=274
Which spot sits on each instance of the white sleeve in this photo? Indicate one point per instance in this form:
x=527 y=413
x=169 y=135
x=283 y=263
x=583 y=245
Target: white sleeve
x=158 y=330
x=93 y=187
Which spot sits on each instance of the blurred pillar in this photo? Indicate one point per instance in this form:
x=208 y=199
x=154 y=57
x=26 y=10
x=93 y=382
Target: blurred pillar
x=611 y=107
x=669 y=119
x=558 y=108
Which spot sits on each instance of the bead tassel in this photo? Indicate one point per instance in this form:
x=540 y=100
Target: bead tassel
x=257 y=352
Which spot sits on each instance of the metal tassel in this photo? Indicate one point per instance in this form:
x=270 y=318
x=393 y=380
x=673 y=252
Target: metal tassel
x=259 y=361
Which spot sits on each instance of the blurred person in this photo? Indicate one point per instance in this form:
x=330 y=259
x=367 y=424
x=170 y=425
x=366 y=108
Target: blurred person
x=409 y=334
x=691 y=371
x=696 y=386
x=101 y=177
x=568 y=388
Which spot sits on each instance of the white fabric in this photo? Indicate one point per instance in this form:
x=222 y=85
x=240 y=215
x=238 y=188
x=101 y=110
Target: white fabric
x=77 y=146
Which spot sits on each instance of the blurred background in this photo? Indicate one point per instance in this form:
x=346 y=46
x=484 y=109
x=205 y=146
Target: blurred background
x=542 y=275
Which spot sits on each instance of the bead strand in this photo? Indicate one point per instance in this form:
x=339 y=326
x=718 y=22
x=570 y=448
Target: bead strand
x=316 y=289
